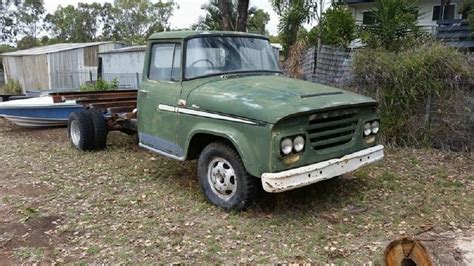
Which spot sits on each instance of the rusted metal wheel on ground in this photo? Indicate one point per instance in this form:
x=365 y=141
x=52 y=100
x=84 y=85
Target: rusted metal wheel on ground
x=407 y=252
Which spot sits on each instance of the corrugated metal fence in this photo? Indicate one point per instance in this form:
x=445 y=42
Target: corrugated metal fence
x=333 y=65
x=449 y=119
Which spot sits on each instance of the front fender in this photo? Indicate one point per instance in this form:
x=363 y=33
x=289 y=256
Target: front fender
x=253 y=142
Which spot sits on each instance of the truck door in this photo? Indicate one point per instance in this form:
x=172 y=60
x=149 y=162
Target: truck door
x=158 y=99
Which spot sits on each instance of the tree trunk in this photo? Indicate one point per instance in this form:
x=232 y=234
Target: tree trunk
x=318 y=53
x=242 y=15
x=226 y=22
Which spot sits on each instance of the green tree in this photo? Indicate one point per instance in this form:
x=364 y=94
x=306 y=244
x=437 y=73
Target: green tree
x=467 y=11
x=29 y=16
x=45 y=40
x=395 y=23
x=28 y=42
x=258 y=20
x=107 y=20
x=274 y=38
x=337 y=26
x=214 y=18
x=302 y=34
x=20 y=18
x=136 y=20
x=293 y=13
x=5 y=48
x=124 y=20
x=71 y=24
x=8 y=29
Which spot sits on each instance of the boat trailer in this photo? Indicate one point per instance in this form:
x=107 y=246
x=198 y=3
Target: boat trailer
x=103 y=112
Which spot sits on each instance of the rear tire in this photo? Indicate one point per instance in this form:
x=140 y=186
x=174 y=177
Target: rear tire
x=223 y=178
x=100 y=129
x=81 y=131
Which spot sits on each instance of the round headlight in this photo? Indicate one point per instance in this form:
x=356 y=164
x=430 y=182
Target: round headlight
x=367 y=129
x=286 y=146
x=375 y=127
x=298 y=144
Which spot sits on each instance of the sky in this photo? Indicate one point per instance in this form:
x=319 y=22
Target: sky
x=187 y=14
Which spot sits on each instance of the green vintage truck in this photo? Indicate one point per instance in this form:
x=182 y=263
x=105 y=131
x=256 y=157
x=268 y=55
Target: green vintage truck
x=220 y=98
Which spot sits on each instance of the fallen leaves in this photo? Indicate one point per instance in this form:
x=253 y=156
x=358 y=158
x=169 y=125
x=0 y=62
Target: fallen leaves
x=126 y=205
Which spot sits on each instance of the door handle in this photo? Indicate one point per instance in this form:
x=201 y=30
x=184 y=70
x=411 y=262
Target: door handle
x=143 y=92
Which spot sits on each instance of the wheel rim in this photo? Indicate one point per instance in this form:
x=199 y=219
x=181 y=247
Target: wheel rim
x=75 y=133
x=222 y=178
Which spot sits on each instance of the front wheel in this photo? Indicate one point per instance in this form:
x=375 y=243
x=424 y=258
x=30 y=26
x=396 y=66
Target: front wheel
x=223 y=177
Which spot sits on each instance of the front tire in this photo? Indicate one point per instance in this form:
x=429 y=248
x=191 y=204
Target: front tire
x=223 y=178
x=81 y=131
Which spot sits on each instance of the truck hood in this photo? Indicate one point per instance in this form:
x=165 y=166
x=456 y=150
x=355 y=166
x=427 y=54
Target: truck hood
x=269 y=98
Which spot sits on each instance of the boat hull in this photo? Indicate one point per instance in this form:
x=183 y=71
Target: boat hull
x=35 y=122
x=39 y=112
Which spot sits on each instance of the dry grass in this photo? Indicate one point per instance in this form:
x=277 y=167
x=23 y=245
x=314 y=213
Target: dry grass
x=292 y=63
x=128 y=205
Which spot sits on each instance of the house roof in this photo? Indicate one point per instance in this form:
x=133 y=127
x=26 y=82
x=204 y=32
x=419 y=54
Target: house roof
x=187 y=34
x=59 y=47
x=130 y=49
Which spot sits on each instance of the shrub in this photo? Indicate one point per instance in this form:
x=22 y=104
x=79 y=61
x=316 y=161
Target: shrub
x=467 y=10
x=12 y=87
x=338 y=26
x=313 y=36
x=405 y=82
x=292 y=15
x=395 y=23
x=101 y=85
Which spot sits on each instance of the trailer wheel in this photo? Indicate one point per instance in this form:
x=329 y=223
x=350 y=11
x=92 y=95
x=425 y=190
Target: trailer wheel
x=100 y=129
x=81 y=131
x=223 y=177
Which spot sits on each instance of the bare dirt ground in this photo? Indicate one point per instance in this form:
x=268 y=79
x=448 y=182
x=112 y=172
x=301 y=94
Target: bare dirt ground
x=127 y=205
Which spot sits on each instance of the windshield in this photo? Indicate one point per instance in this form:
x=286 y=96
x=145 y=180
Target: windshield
x=220 y=55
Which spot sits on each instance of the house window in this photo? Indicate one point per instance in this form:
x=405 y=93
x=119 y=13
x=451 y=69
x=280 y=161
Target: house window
x=368 y=18
x=449 y=11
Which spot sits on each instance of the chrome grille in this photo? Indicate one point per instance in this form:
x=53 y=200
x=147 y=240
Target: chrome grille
x=332 y=128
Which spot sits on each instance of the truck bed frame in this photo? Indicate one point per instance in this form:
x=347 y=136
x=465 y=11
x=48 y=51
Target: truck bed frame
x=118 y=106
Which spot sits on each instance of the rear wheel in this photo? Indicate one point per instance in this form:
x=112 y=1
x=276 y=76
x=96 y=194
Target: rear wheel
x=223 y=178
x=81 y=131
x=100 y=129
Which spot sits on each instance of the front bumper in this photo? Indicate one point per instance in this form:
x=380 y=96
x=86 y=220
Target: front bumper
x=310 y=174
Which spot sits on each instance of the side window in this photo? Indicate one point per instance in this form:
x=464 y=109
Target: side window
x=368 y=18
x=449 y=11
x=165 y=63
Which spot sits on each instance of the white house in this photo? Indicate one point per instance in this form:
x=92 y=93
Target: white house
x=431 y=11
x=439 y=17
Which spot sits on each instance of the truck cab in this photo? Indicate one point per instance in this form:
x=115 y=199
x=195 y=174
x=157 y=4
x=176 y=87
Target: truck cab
x=220 y=98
